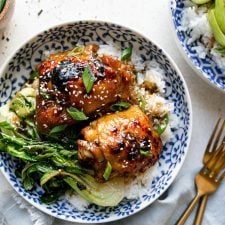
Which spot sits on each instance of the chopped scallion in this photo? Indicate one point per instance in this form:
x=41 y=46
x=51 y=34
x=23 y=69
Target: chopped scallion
x=142 y=103
x=119 y=106
x=57 y=129
x=76 y=51
x=88 y=79
x=163 y=125
x=34 y=74
x=145 y=153
x=126 y=53
x=76 y=114
x=108 y=171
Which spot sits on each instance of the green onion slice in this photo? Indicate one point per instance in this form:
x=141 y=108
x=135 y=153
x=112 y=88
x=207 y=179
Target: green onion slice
x=163 y=125
x=34 y=74
x=142 y=103
x=76 y=114
x=119 y=106
x=76 y=51
x=88 y=79
x=108 y=171
x=45 y=95
x=57 y=129
x=126 y=53
x=145 y=153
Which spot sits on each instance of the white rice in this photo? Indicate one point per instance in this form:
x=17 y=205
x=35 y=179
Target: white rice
x=109 y=49
x=194 y=20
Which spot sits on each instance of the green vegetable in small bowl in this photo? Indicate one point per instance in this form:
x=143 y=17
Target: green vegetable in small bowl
x=6 y=12
x=2 y=5
x=216 y=18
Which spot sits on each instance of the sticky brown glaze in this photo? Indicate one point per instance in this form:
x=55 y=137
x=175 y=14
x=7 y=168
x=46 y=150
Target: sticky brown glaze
x=61 y=86
x=118 y=138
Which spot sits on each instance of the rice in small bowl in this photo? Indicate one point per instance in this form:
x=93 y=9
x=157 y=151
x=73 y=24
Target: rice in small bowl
x=196 y=41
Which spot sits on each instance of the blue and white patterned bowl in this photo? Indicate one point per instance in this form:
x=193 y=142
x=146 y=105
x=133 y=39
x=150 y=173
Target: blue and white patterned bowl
x=64 y=37
x=206 y=68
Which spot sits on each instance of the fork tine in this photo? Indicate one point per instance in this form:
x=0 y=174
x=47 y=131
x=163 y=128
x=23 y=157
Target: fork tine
x=221 y=177
x=219 y=165
x=215 y=155
x=219 y=135
x=208 y=147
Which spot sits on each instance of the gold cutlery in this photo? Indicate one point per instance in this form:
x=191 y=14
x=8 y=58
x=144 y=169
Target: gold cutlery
x=209 y=177
x=208 y=151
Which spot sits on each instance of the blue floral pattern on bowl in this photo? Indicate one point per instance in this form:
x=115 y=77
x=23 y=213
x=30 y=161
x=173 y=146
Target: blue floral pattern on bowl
x=207 y=68
x=65 y=37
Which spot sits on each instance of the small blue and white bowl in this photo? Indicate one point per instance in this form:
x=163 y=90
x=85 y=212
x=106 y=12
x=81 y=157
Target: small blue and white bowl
x=64 y=37
x=206 y=68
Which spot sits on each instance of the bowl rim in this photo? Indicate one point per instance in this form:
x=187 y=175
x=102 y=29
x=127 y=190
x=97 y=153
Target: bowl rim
x=186 y=56
x=187 y=95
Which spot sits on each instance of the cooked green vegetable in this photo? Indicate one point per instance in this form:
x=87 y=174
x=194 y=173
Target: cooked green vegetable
x=2 y=4
x=120 y=106
x=163 y=124
x=76 y=114
x=88 y=79
x=56 y=168
x=58 y=129
x=126 y=54
x=6 y=125
x=103 y=194
x=24 y=103
x=108 y=171
x=217 y=32
x=31 y=129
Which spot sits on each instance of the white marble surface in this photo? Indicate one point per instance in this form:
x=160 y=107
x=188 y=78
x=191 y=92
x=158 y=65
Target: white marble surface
x=152 y=18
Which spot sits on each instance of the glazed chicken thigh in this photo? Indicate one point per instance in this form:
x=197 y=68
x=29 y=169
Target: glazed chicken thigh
x=125 y=139
x=61 y=86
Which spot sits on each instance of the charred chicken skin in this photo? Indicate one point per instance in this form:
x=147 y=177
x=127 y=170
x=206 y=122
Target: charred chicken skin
x=125 y=139
x=61 y=86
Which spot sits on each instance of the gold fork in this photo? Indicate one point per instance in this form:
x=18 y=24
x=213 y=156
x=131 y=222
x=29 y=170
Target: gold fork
x=208 y=179
x=208 y=151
